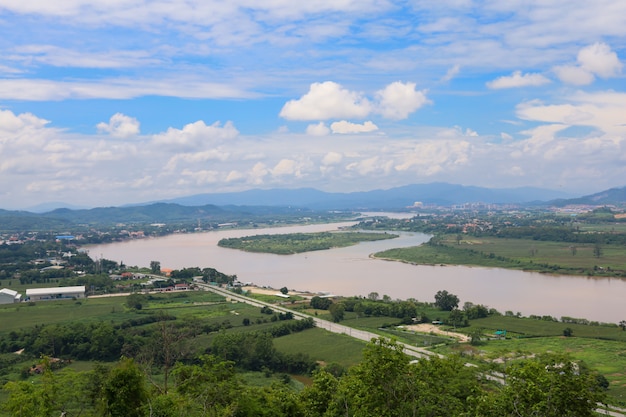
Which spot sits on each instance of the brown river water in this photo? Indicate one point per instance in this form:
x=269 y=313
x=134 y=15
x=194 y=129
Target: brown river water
x=350 y=271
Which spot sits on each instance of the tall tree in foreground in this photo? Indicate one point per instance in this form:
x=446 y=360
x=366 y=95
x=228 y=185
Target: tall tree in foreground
x=551 y=386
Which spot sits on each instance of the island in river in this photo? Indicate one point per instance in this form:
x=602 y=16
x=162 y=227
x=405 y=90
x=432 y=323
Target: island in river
x=288 y=244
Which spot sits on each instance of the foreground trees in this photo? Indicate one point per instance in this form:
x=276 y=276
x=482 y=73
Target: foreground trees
x=387 y=383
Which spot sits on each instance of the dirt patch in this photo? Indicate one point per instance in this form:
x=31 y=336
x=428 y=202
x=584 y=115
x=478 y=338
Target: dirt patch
x=431 y=328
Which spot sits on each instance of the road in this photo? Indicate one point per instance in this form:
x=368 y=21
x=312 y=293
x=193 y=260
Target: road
x=414 y=351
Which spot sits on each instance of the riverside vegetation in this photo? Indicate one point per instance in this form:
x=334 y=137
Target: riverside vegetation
x=286 y=244
x=196 y=354
x=593 y=244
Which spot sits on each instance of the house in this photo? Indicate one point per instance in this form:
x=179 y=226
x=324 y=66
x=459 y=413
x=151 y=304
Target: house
x=8 y=296
x=57 y=293
x=181 y=287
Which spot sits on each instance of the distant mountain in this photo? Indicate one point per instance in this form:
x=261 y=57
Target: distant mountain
x=46 y=207
x=613 y=196
x=170 y=213
x=394 y=198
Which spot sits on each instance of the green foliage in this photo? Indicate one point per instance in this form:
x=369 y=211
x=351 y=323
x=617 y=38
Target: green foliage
x=337 y=311
x=300 y=242
x=552 y=386
x=136 y=301
x=446 y=301
x=124 y=392
x=386 y=383
x=321 y=303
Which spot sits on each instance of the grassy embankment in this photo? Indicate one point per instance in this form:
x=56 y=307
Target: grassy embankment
x=523 y=254
x=287 y=244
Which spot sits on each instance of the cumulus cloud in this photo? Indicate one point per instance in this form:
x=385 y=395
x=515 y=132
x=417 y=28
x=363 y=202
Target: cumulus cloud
x=348 y=127
x=319 y=129
x=332 y=158
x=196 y=134
x=600 y=60
x=517 y=79
x=398 y=100
x=120 y=126
x=286 y=167
x=10 y=122
x=593 y=60
x=327 y=100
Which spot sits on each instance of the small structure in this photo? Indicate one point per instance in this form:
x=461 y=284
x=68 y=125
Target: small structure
x=8 y=296
x=57 y=293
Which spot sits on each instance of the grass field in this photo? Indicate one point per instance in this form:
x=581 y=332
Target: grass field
x=323 y=346
x=561 y=257
x=516 y=327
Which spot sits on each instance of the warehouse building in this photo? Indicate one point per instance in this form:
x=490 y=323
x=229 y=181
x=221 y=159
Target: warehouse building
x=57 y=293
x=8 y=296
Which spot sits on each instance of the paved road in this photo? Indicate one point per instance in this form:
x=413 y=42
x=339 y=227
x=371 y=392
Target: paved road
x=368 y=336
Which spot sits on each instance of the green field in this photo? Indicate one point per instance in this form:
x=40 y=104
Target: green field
x=525 y=254
x=323 y=346
x=287 y=244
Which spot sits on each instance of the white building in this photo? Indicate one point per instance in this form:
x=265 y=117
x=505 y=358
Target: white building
x=57 y=293
x=8 y=296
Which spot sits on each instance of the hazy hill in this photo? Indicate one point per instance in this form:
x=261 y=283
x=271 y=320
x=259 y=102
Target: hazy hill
x=613 y=196
x=394 y=198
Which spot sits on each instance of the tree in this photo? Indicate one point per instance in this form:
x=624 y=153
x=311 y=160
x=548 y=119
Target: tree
x=597 y=250
x=550 y=386
x=284 y=290
x=457 y=318
x=155 y=267
x=387 y=384
x=622 y=324
x=135 y=301
x=446 y=301
x=321 y=303
x=337 y=311
x=124 y=392
x=373 y=296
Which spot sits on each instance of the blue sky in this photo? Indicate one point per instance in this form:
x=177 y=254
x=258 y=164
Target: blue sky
x=113 y=102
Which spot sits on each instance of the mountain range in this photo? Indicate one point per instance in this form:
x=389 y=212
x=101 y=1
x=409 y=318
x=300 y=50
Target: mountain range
x=442 y=194
x=257 y=204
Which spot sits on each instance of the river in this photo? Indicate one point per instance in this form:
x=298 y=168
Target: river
x=350 y=271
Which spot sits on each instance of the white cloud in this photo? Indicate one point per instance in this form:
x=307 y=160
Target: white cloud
x=451 y=73
x=122 y=88
x=120 y=126
x=398 y=100
x=197 y=134
x=327 y=100
x=319 y=129
x=9 y=122
x=593 y=60
x=344 y=126
x=602 y=110
x=286 y=167
x=332 y=158
x=600 y=60
x=571 y=74
x=517 y=79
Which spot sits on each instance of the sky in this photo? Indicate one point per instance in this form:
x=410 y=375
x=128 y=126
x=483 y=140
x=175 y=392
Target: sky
x=110 y=102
